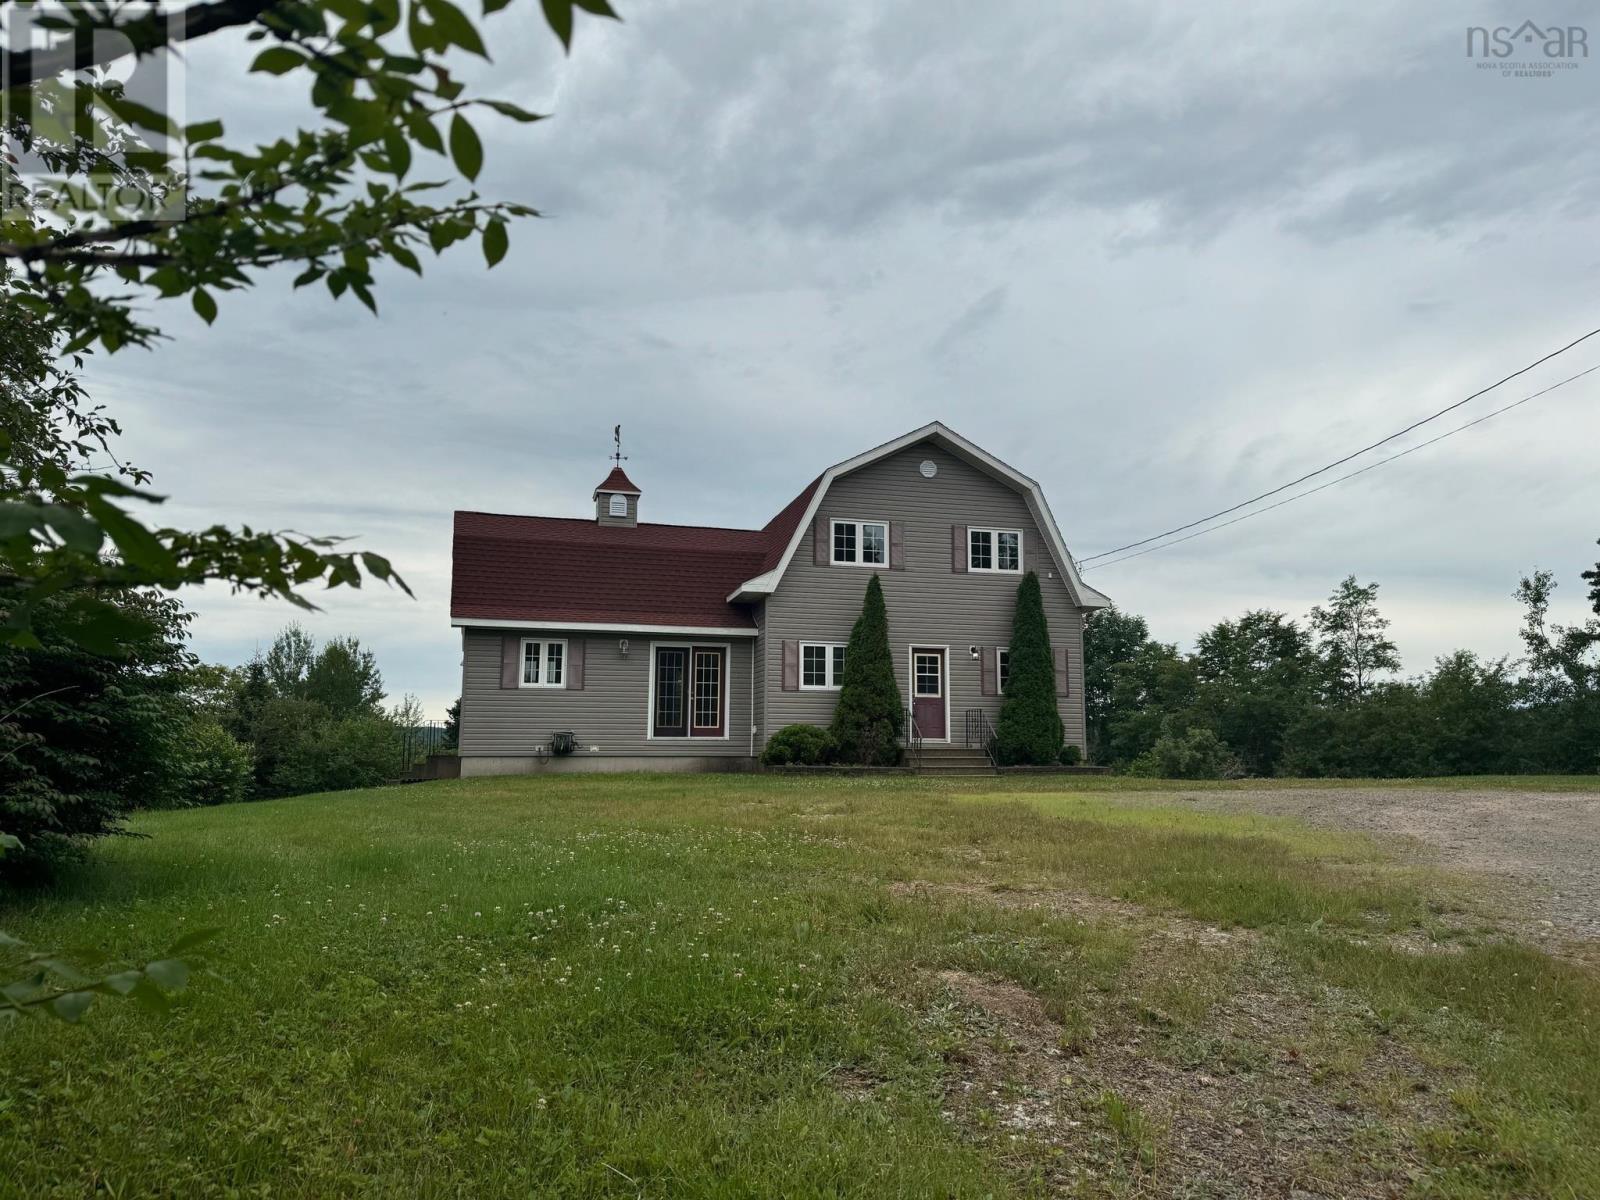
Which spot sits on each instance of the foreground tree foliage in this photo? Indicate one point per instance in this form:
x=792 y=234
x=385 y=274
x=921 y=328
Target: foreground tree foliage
x=84 y=737
x=870 y=717
x=1263 y=695
x=1028 y=730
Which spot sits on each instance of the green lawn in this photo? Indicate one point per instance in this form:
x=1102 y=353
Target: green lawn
x=728 y=986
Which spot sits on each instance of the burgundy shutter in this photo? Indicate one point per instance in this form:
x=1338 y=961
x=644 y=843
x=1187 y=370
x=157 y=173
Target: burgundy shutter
x=575 y=655
x=819 y=541
x=897 y=546
x=510 y=660
x=791 y=666
x=990 y=668
x=958 y=548
x=1063 y=686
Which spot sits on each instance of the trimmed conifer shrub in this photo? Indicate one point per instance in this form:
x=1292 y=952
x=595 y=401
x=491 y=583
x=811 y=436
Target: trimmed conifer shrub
x=1029 y=729
x=870 y=715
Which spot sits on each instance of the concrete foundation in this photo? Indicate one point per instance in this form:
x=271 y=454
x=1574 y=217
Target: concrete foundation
x=491 y=764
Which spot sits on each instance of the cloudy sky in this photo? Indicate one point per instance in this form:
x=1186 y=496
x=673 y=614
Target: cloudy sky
x=1160 y=256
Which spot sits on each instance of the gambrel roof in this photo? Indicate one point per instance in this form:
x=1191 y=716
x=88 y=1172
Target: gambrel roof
x=937 y=432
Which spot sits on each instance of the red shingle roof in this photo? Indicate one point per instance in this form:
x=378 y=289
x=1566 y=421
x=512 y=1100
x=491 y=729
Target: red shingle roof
x=561 y=569
x=617 y=481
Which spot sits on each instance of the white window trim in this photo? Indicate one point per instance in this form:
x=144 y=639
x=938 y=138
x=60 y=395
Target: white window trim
x=834 y=684
x=999 y=682
x=835 y=522
x=727 y=693
x=994 y=552
x=617 y=506
x=544 y=645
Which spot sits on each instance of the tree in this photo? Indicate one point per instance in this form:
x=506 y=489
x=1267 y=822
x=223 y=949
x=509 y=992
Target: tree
x=1561 y=687
x=344 y=678
x=1255 y=676
x=1029 y=729
x=1469 y=707
x=1110 y=638
x=870 y=718
x=287 y=664
x=85 y=737
x=1593 y=579
x=1351 y=638
x=1151 y=695
x=452 y=726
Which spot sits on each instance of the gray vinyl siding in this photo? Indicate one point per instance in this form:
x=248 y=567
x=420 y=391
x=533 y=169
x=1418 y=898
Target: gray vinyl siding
x=602 y=511
x=609 y=711
x=929 y=603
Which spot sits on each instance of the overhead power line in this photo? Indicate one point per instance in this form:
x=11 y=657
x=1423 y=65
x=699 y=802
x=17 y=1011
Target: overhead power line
x=1342 y=478
x=1339 y=462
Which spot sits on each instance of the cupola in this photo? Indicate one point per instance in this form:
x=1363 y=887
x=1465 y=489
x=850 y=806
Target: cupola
x=616 y=500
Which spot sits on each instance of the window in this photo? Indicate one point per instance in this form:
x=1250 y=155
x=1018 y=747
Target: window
x=821 y=666
x=544 y=664
x=1002 y=667
x=618 y=506
x=864 y=543
x=994 y=549
x=926 y=674
x=708 y=689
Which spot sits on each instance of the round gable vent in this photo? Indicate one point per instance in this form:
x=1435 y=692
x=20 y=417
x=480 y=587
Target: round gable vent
x=929 y=468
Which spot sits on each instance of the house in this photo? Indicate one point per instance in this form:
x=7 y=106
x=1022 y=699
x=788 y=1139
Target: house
x=632 y=645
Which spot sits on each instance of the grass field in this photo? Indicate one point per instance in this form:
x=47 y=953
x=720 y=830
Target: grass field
x=726 y=986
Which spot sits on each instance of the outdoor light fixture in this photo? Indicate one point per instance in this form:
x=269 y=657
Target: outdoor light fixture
x=622 y=647
x=972 y=650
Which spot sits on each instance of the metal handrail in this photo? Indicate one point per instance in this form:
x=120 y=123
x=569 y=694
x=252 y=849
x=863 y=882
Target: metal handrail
x=980 y=732
x=913 y=740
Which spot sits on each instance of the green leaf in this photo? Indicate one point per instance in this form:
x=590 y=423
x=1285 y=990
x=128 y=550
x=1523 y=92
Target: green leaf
x=406 y=259
x=465 y=148
x=452 y=24
x=203 y=131
x=598 y=8
x=506 y=109
x=558 y=14
x=70 y=1006
x=123 y=982
x=170 y=973
x=495 y=242
x=195 y=937
x=204 y=305
x=278 y=60
x=398 y=150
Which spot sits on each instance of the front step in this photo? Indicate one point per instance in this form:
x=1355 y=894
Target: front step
x=954 y=761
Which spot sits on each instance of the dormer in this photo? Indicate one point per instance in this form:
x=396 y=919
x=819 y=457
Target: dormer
x=616 y=500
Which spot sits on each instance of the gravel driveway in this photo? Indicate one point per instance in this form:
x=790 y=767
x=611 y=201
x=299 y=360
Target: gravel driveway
x=1546 y=844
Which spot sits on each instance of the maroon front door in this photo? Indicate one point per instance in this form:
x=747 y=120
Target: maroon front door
x=927 y=691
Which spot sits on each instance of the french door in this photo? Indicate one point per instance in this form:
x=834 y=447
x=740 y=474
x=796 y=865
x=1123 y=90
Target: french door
x=689 y=692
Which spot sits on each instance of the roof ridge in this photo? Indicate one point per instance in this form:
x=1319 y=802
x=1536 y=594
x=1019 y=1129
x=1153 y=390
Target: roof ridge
x=590 y=521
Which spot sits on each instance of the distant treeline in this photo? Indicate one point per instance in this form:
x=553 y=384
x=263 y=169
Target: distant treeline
x=1266 y=695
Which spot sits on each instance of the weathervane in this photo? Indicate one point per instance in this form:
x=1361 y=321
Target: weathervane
x=616 y=436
